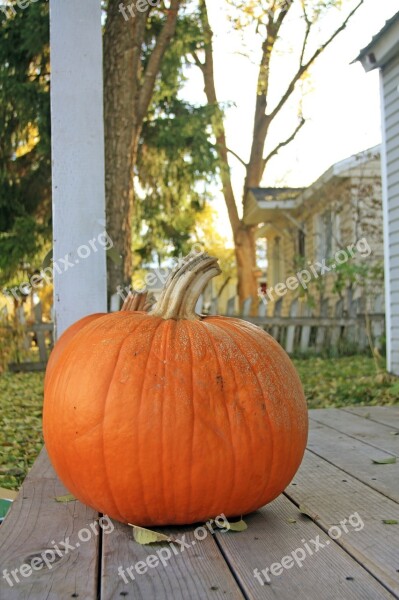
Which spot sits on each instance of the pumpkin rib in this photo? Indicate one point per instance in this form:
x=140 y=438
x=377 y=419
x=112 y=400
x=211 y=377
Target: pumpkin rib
x=195 y=419
x=102 y=437
x=290 y=456
x=234 y=462
x=96 y=325
x=243 y=353
x=107 y=479
x=163 y=486
x=138 y=420
x=267 y=415
x=193 y=425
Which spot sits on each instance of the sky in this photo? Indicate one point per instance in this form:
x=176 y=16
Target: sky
x=340 y=101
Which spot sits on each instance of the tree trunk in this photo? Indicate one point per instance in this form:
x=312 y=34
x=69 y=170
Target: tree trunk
x=245 y=252
x=128 y=90
x=121 y=53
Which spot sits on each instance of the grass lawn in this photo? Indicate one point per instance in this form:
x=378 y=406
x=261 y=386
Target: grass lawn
x=328 y=382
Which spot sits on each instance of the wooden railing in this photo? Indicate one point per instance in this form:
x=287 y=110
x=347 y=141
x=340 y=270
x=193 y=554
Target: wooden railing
x=343 y=324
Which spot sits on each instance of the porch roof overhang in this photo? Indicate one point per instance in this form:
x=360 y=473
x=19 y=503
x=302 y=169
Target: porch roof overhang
x=383 y=46
x=268 y=204
x=277 y=206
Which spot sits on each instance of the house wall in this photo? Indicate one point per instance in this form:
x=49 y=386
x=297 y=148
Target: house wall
x=390 y=162
x=356 y=207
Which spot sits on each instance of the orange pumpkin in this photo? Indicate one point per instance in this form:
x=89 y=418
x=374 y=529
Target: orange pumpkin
x=171 y=417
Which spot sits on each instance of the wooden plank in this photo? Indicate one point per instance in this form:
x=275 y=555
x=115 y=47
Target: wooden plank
x=290 y=337
x=231 y=303
x=37 y=327
x=35 y=523
x=198 y=572
x=331 y=496
x=355 y=458
x=328 y=322
x=335 y=335
x=385 y=415
x=27 y=367
x=262 y=307
x=246 y=307
x=276 y=333
x=374 y=434
x=322 y=331
x=305 y=332
x=329 y=573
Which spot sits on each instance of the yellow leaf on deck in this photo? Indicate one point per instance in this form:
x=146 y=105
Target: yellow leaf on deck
x=237 y=525
x=66 y=498
x=384 y=461
x=147 y=536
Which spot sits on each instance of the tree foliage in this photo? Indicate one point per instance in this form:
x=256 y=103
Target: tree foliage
x=176 y=158
x=25 y=205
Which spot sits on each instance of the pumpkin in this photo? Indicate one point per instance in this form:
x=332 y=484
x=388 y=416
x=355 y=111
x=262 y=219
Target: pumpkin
x=171 y=417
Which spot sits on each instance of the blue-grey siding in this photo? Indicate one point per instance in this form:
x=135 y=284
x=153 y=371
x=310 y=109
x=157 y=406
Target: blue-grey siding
x=390 y=84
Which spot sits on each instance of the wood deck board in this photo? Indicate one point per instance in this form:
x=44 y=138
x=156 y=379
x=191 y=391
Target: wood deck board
x=386 y=415
x=198 y=572
x=355 y=458
x=271 y=536
x=331 y=496
x=34 y=522
x=369 y=432
x=336 y=480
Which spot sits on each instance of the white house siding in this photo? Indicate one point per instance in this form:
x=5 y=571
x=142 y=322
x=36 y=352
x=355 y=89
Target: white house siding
x=390 y=106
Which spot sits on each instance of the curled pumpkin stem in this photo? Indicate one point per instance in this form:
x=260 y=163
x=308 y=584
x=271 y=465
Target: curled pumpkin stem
x=138 y=301
x=184 y=286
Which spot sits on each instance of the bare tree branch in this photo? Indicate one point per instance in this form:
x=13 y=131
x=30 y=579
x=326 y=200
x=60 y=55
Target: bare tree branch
x=307 y=32
x=207 y=69
x=304 y=67
x=284 y=143
x=155 y=59
x=197 y=61
x=261 y=120
x=237 y=157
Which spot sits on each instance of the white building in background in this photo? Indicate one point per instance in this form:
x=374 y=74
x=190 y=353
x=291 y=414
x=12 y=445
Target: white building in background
x=383 y=53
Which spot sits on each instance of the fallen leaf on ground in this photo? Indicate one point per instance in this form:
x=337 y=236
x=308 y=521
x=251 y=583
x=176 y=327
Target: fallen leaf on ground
x=384 y=461
x=237 y=525
x=390 y=521
x=66 y=498
x=147 y=536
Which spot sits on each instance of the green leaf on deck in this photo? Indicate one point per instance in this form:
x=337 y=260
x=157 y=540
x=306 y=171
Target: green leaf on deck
x=291 y=520
x=394 y=432
x=237 y=525
x=390 y=521
x=66 y=498
x=384 y=461
x=147 y=536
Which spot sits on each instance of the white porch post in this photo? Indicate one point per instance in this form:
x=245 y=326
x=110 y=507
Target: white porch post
x=77 y=160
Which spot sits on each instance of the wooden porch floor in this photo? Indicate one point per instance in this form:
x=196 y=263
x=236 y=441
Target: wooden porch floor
x=338 y=480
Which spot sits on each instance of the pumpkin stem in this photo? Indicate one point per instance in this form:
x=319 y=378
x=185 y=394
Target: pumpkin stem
x=184 y=286
x=138 y=301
